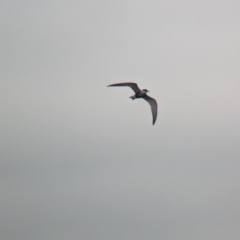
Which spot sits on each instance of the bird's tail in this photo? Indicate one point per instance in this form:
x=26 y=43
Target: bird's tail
x=133 y=97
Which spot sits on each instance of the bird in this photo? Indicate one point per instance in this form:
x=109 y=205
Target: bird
x=140 y=94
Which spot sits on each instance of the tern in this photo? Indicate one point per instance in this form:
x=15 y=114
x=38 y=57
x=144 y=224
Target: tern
x=140 y=94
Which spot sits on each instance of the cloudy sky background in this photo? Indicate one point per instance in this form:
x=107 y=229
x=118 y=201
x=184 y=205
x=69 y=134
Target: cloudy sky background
x=82 y=161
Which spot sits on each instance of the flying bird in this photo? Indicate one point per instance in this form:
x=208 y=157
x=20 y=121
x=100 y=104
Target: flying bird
x=140 y=94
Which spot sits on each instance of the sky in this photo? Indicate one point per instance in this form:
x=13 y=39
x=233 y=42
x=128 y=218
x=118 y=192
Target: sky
x=79 y=160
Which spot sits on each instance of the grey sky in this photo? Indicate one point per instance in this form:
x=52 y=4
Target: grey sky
x=82 y=161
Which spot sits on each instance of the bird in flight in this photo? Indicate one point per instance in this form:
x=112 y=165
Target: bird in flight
x=140 y=94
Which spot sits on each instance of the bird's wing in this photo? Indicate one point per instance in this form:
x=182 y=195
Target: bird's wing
x=153 y=104
x=132 y=85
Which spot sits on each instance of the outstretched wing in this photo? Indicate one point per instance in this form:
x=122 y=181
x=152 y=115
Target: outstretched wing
x=132 y=85
x=153 y=104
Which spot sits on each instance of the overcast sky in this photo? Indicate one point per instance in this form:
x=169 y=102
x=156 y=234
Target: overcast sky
x=80 y=161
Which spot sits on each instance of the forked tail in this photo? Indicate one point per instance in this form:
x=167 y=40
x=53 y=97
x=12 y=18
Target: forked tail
x=133 y=97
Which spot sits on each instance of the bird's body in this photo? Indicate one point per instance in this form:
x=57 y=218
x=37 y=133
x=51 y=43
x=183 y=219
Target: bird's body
x=140 y=94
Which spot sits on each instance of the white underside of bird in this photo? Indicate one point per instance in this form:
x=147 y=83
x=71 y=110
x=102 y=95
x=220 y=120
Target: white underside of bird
x=140 y=94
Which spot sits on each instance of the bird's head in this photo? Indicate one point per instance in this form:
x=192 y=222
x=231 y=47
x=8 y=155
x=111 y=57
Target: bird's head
x=145 y=90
